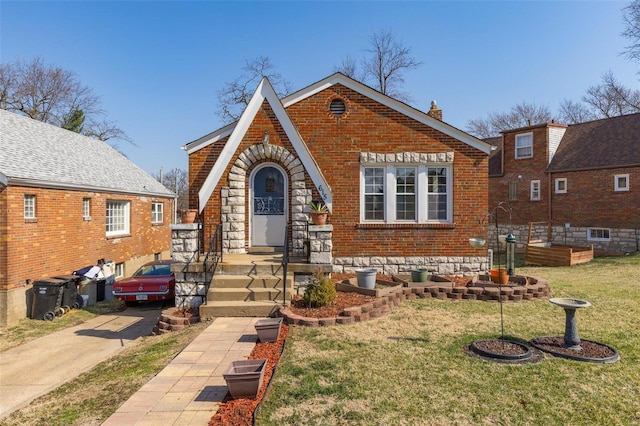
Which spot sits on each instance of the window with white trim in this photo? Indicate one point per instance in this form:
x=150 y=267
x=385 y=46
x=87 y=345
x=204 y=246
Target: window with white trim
x=157 y=210
x=513 y=190
x=561 y=185
x=406 y=193
x=29 y=206
x=535 y=190
x=598 y=234
x=119 y=270
x=621 y=183
x=524 y=145
x=86 y=208
x=374 y=193
x=400 y=194
x=117 y=218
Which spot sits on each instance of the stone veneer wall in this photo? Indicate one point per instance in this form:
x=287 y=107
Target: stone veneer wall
x=441 y=265
x=621 y=240
x=320 y=244
x=234 y=202
x=189 y=271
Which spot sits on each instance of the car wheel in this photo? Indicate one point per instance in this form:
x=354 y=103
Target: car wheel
x=130 y=303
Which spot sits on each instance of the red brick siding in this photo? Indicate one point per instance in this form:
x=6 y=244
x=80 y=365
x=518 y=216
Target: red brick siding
x=592 y=202
x=4 y=236
x=336 y=143
x=61 y=241
x=523 y=171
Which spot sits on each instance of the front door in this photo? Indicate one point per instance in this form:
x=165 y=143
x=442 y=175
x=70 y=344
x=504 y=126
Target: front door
x=269 y=206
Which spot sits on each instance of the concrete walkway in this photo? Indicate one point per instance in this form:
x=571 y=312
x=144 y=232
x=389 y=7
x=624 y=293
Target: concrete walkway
x=39 y=366
x=188 y=391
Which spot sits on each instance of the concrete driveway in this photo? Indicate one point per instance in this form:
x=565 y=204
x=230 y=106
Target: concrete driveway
x=37 y=367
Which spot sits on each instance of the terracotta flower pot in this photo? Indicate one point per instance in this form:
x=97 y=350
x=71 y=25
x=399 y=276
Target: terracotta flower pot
x=499 y=276
x=189 y=216
x=319 y=218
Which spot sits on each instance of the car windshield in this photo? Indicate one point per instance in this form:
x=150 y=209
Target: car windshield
x=152 y=270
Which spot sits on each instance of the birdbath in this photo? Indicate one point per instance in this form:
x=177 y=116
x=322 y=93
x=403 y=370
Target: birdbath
x=571 y=338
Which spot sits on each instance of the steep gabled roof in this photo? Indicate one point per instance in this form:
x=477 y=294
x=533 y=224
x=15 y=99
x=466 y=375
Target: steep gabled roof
x=37 y=154
x=600 y=144
x=263 y=92
x=365 y=90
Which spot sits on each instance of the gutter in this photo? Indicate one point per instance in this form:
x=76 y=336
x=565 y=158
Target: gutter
x=32 y=183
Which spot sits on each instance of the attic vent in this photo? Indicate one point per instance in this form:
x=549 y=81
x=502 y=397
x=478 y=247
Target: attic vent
x=337 y=107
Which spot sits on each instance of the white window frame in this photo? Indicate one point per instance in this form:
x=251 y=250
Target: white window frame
x=121 y=227
x=86 y=208
x=29 y=206
x=535 y=190
x=421 y=192
x=528 y=138
x=414 y=194
x=559 y=181
x=157 y=212
x=605 y=234
x=118 y=271
x=616 y=183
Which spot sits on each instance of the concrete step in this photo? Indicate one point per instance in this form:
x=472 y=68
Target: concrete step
x=238 y=309
x=249 y=269
x=247 y=294
x=249 y=281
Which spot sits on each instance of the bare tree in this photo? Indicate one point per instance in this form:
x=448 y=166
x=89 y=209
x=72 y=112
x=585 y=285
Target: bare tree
x=384 y=65
x=520 y=115
x=52 y=95
x=631 y=17
x=575 y=112
x=235 y=95
x=177 y=180
x=610 y=98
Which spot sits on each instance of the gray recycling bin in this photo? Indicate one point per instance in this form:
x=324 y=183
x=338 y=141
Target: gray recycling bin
x=47 y=299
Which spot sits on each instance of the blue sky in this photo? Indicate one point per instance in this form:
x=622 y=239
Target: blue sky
x=157 y=65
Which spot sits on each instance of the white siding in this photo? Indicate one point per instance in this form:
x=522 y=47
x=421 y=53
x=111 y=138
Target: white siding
x=555 y=136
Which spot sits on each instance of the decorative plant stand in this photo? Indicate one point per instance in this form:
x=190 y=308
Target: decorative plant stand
x=268 y=329
x=244 y=378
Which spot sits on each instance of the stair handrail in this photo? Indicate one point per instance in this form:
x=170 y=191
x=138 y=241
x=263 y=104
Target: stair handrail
x=285 y=262
x=215 y=253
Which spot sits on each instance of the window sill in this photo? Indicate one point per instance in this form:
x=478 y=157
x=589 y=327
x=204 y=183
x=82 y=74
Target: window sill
x=30 y=220
x=115 y=237
x=86 y=218
x=157 y=223
x=406 y=226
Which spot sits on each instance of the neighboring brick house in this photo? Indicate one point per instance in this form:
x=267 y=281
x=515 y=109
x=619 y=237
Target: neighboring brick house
x=66 y=201
x=583 y=178
x=404 y=188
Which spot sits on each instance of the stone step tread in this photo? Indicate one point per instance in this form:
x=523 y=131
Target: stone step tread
x=238 y=309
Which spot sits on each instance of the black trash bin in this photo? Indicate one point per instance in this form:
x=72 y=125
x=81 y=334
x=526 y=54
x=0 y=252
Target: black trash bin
x=101 y=284
x=70 y=291
x=47 y=299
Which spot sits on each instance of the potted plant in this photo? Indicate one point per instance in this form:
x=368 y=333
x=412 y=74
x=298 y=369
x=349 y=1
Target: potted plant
x=319 y=212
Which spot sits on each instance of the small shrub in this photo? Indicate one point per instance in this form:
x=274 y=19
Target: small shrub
x=320 y=291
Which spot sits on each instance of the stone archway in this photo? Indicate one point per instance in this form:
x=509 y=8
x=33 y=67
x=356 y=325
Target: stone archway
x=234 y=202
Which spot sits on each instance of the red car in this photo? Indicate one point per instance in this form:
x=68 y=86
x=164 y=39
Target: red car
x=152 y=281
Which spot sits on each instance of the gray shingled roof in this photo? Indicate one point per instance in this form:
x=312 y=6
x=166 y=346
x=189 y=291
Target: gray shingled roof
x=605 y=143
x=39 y=154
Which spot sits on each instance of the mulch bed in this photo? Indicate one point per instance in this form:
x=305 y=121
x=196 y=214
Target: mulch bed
x=239 y=412
x=555 y=345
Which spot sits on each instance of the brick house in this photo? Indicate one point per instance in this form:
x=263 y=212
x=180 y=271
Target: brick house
x=583 y=178
x=404 y=188
x=66 y=201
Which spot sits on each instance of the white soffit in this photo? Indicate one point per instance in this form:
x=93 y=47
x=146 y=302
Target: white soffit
x=264 y=91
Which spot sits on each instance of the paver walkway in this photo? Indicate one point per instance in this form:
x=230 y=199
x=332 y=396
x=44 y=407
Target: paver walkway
x=39 y=366
x=189 y=390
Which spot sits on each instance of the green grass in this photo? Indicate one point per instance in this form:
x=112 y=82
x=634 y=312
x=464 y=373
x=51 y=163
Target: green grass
x=410 y=368
x=28 y=329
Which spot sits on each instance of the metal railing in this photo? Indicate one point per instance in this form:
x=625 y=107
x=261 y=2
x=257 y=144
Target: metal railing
x=212 y=258
x=285 y=263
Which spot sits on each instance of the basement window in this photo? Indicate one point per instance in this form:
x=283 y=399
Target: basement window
x=598 y=234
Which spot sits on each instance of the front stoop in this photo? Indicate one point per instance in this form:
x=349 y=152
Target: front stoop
x=247 y=286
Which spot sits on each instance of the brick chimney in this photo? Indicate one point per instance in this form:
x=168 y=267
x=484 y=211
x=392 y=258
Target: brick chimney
x=434 y=111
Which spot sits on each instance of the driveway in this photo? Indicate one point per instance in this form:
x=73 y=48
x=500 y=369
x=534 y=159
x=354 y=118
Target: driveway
x=37 y=367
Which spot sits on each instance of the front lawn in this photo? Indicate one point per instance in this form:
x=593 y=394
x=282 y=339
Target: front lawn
x=409 y=367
